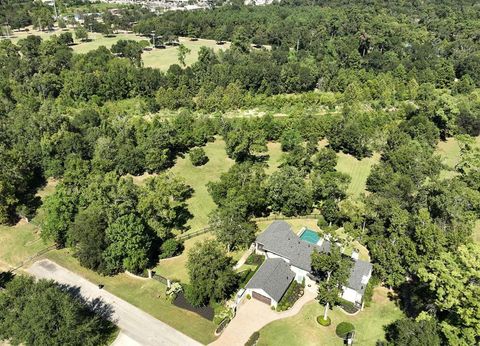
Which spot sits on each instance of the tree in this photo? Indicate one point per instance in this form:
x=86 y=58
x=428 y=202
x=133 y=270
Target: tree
x=198 y=157
x=60 y=209
x=244 y=140
x=453 y=279
x=212 y=278
x=410 y=332
x=45 y=313
x=242 y=186
x=334 y=268
x=290 y=139
x=130 y=245
x=231 y=228
x=183 y=51
x=87 y=236
x=65 y=38
x=81 y=34
x=129 y=49
x=288 y=193
x=162 y=203
x=325 y=160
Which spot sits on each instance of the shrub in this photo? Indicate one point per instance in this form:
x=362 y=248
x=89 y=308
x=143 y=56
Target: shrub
x=198 y=157
x=344 y=328
x=323 y=322
x=170 y=247
x=368 y=295
x=349 y=307
x=249 y=296
x=294 y=292
x=254 y=259
x=252 y=340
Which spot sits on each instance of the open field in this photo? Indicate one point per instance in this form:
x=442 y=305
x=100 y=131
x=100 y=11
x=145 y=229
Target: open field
x=147 y=294
x=17 y=243
x=358 y=170
x=201 y=204
x=303 y=328
x=157 y=58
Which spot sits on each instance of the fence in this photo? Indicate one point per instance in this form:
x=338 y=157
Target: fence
x=162 y=279
x=281 y=217
x=193 y=234
x=31 y=258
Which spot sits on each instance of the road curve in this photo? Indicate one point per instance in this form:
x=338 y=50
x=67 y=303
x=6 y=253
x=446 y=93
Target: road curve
x=136 y=325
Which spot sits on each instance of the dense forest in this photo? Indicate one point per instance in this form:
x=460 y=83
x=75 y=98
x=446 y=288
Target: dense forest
x=388 y=78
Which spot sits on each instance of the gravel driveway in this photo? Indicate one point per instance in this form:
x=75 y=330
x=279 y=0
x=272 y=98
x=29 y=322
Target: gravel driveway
x=137 y=327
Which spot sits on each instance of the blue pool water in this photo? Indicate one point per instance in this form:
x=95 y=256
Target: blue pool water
x=310 y=236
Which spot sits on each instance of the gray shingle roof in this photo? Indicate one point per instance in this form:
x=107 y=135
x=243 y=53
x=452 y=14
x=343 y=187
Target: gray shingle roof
x=280 y=239
x=274 y=276
x=359 y=270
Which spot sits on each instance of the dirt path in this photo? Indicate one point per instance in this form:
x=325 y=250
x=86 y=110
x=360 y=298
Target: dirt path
x=137 y=327
x=253 y=315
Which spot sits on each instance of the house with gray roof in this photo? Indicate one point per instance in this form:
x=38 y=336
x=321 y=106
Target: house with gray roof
x=288 y=257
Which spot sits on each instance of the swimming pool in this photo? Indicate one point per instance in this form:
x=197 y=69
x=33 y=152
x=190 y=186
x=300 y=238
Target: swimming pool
x=310 y=236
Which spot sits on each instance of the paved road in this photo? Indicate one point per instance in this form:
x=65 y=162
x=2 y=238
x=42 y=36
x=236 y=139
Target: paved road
x=137 y=327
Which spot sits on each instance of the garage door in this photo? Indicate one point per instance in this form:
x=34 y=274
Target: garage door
x=261 y=297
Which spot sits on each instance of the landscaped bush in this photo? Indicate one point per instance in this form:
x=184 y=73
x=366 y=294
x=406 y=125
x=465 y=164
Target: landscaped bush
x=249 y=296
x=368 y=295
x=253 y=339
x=170 y=248
x=198 y=157
x=294 y=292
x=349 y=307
x=344 y=328
x=254 y=259
x=245 y=276
x=323 y=322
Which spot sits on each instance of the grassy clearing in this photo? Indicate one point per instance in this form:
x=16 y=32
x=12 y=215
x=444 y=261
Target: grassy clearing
x=163 y=58
x=148 y=295
x=157 y=58
x=201 y=204
x=274 y=157
x=358 y=170
x=19 y=242
x=302 y=329
x=449 y=152
x=175 y=268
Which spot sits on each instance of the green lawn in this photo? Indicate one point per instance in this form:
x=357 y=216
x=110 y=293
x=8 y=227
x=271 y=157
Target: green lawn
x=17 y=243
x=148 y=295
x=201 y=204
x=274 y=156
x=358 y=170
x=157 y=58
x=303 y=329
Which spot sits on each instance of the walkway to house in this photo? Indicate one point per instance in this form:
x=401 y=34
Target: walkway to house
x=252 y=315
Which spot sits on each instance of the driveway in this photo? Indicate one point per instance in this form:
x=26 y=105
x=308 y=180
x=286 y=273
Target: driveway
x=137 y=327
x=252 y=315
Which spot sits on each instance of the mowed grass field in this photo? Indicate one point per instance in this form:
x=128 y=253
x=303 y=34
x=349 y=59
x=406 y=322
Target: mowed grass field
x=303 y=329
x=156 y=58
x=358 y=170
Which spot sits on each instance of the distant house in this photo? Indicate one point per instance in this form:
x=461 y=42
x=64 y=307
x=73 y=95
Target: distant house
x=288 y=257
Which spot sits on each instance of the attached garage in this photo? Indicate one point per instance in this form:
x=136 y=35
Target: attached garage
x=261 y=298
x=270 y=282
